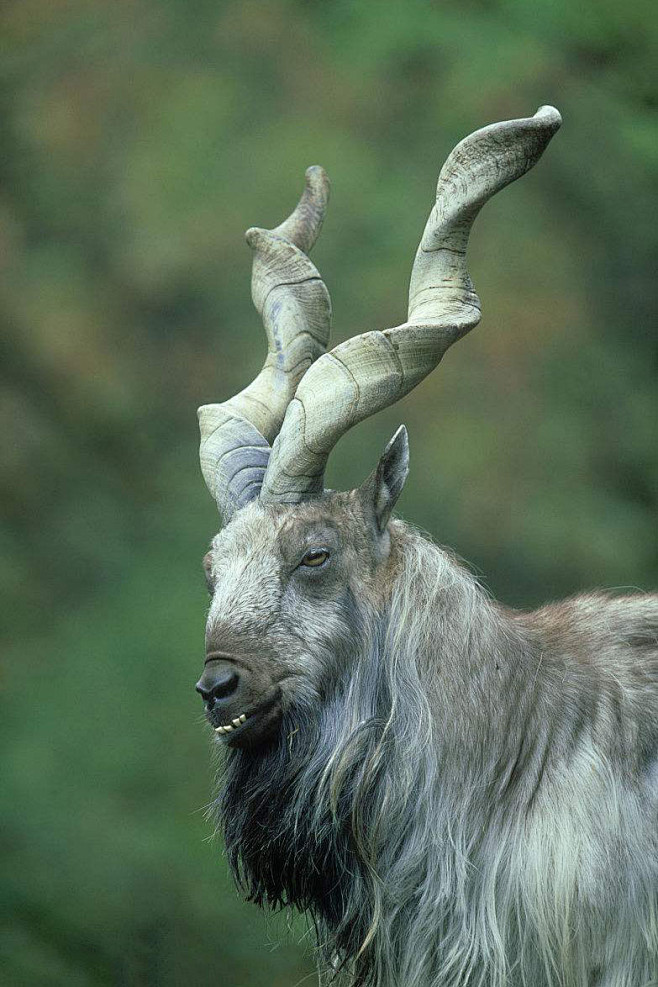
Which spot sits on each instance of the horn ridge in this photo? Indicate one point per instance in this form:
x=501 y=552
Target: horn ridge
x=359 y=376
x=293 y=302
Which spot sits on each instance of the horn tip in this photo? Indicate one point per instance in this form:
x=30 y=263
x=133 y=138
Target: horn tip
x=254 y=235
x=316 y=173
x=317 y=182
x=550 y=116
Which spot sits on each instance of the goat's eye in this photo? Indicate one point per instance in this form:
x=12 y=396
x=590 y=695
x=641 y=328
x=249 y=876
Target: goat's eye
x=316 y=557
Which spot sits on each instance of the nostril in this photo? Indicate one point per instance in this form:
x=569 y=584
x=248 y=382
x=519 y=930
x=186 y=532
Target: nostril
x=217 y=684
x=225 y=684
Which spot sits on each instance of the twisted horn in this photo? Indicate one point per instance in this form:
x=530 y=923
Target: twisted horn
x=293 y=302
x=375 y=369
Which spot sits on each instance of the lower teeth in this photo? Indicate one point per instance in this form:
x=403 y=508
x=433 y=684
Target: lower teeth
x=237 y=722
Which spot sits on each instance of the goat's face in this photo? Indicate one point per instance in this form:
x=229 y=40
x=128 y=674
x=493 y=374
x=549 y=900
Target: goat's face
x=289 y=585
x=289 y=581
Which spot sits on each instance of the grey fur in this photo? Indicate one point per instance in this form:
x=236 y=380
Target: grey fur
x=458 y=794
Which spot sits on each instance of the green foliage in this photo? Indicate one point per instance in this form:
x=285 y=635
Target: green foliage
x=140 y=141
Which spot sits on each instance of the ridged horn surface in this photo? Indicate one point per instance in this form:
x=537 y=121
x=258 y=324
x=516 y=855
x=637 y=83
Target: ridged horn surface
x=293 y=302
x=375 y=369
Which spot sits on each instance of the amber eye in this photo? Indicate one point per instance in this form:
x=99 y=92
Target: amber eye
x=316 y=557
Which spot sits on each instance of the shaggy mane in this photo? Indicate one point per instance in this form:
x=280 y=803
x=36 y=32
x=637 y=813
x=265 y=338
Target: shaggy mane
x=446 y=814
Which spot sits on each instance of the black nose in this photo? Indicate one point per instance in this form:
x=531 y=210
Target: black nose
x=217 y=682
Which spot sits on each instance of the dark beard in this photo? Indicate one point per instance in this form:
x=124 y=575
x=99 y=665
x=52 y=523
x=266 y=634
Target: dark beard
x=294 y=840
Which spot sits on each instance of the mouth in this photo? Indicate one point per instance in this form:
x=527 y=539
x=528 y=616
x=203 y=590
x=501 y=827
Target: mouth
x=233 y=725
x=249 y=727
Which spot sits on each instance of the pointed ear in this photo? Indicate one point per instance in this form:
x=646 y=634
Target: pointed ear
x=381 y=490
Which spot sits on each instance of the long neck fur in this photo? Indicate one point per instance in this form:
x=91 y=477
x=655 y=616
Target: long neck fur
x=426 y=813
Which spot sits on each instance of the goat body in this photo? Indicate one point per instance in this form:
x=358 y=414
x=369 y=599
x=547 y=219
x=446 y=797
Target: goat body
x=475 y=801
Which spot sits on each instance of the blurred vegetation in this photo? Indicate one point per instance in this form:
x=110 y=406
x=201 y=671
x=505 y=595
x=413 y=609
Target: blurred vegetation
x=140 y=139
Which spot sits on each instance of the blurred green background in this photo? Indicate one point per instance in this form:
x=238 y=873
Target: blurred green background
x=139 y=140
